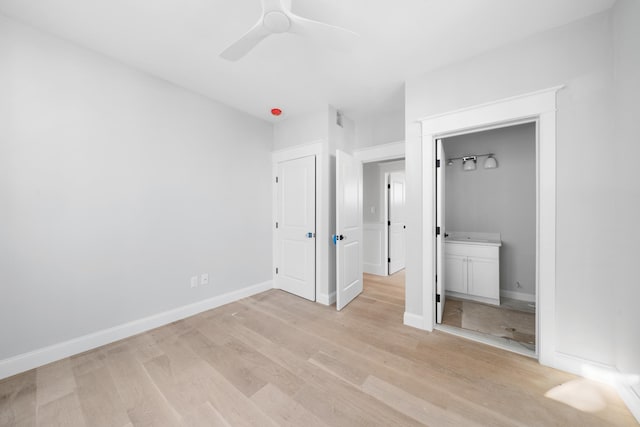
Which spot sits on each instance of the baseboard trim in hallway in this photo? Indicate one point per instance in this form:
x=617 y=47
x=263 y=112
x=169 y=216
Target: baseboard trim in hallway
x=42 y=356
x=413 y=320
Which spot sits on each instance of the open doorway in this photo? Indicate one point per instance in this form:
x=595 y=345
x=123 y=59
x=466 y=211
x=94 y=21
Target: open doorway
x=486 y=203
x=384 y=230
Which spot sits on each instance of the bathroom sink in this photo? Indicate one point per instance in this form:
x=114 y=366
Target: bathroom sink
x=474 y=238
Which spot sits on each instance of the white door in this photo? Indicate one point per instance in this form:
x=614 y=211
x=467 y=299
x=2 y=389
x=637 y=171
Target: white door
x=348 y=237
x=396 y=223
x=440 y=264
x=296 y=227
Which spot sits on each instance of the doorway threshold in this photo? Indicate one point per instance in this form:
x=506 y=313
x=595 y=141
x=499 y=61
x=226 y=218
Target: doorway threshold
x=502 y=343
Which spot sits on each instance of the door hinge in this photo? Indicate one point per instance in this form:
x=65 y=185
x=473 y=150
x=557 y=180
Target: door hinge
x=437 y=297
x=436 y=278
x=438 y=163
x=389 y=223
x=389 y=186
x=276 y=270
x=388 y=259
x=276 y=179
x=437 y=231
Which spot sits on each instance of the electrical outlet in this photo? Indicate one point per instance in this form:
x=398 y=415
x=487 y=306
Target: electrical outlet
x=204 y=279
x=194 y=281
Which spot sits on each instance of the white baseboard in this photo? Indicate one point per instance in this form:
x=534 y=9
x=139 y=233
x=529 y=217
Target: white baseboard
x=45 y=355
x=413 y=320
x=631 y=399
x=521 y=296
x=603 y=373
x=377 y=269
x=326 y=299
x=577 y=365
x=473 y=298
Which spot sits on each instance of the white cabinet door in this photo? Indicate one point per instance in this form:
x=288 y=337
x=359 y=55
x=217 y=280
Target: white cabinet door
x=349 y=228
x=295 y=235
x=455 y=267
x=483 y=276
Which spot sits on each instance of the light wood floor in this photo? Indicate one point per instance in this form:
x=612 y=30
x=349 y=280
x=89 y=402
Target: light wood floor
x=275 y=359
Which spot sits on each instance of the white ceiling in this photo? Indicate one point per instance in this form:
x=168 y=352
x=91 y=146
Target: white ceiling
x=179 y=40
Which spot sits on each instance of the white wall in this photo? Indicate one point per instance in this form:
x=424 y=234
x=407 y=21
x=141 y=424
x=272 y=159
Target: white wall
x=375 y=187
x=371 y=192
x=501 y=200
x=579 y=56
x=380 y=128
x=625 y=211
x=301 y=129
x=115 y=188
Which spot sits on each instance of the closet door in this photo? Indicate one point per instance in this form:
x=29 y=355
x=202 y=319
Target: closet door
x=295 y=232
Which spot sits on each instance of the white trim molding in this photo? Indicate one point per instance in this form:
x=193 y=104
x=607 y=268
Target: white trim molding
x=623 y=383
x=377 y=153
x=298 y=151
x=520 y=296
x=631 y=398
x=325 y=299
x=43 y=356
x=414 y=320
x=538 y=107
x=374 y=240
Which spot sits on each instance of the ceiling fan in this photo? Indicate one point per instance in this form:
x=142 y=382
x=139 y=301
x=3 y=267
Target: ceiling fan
x=276 y=18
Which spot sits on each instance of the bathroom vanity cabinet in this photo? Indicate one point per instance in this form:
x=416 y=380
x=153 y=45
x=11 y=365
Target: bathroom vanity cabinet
x=472 y=269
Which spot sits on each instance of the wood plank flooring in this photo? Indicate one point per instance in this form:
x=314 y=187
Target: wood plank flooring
x=275 y=359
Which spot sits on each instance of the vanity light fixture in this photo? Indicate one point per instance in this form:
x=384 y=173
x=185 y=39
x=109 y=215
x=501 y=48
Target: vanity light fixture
x=469 y=161
x=490 y=163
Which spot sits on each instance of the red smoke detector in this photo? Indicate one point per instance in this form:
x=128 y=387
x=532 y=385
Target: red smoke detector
x=276 y=111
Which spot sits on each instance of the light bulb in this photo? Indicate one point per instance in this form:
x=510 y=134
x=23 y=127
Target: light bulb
x=490 y=163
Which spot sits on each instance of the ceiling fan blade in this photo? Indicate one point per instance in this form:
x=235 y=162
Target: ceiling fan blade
x=336 y=38
x=247 y=42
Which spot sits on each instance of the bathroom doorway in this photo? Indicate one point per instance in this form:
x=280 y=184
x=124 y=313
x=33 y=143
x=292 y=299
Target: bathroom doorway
x=486 y=185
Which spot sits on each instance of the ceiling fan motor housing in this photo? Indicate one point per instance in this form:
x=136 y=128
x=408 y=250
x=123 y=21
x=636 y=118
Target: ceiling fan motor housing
x=276 y=22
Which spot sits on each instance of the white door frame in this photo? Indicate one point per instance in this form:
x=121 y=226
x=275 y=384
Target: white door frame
x=539 y=107
x=387 y=228
x=322 y=233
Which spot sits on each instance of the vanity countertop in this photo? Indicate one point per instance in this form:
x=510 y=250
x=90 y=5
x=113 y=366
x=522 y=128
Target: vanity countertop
x=474 y=238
